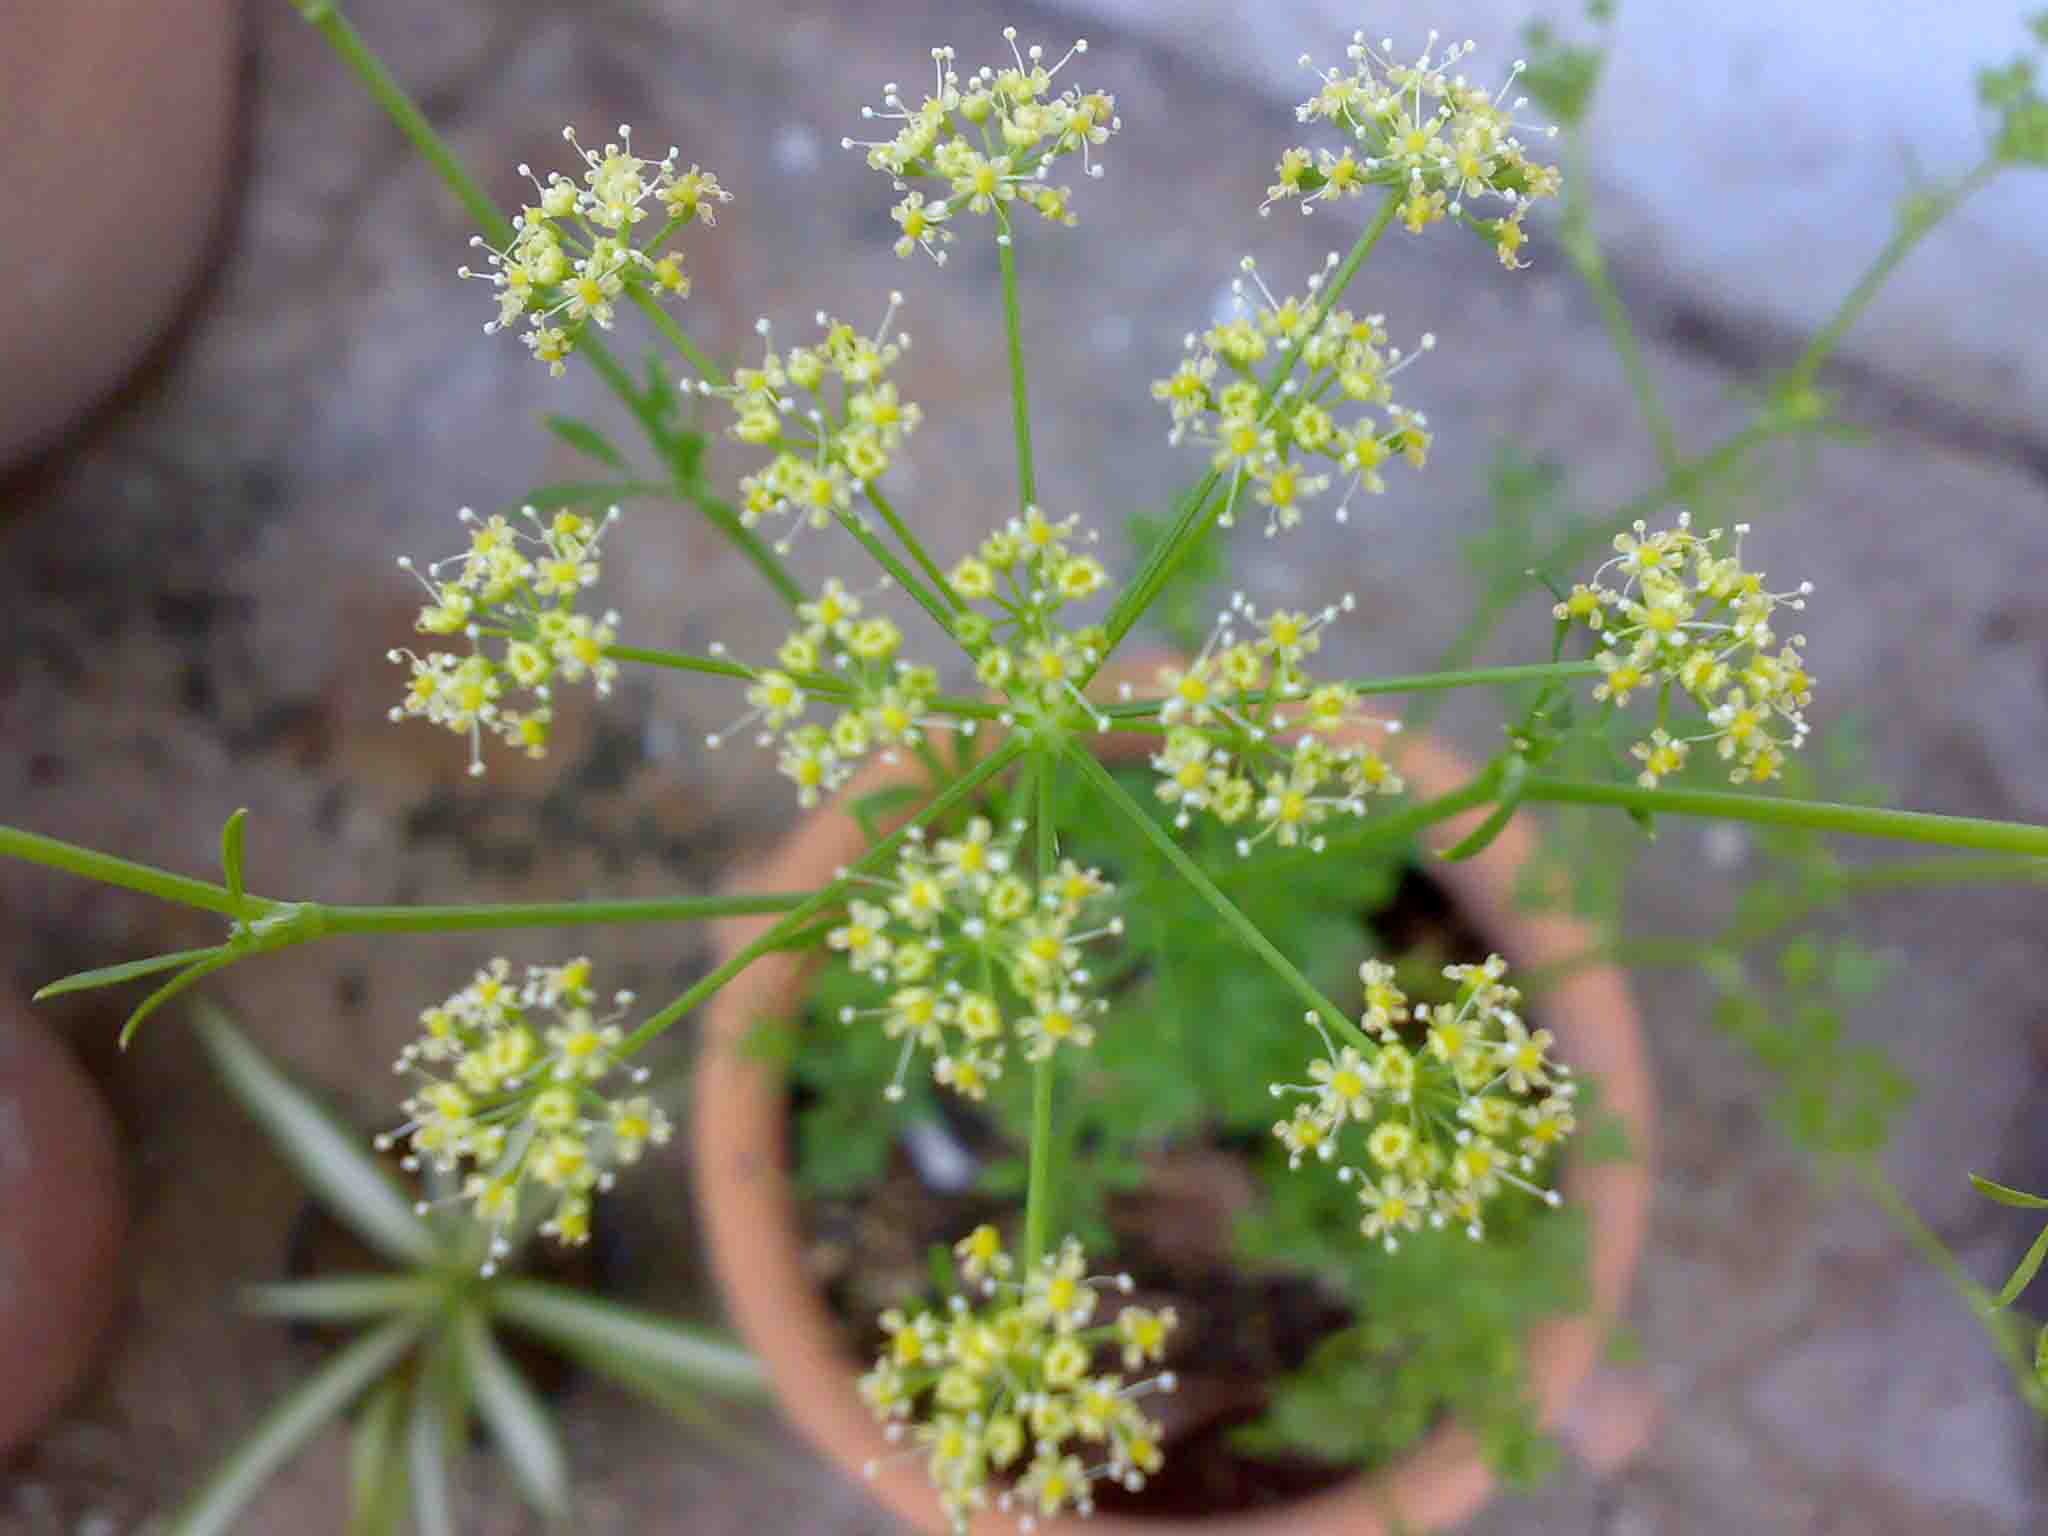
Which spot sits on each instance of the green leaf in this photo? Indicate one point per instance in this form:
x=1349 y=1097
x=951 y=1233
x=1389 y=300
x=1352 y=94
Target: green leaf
x=576 y=1323
x=2022 y=1277
x=335 y=1162
x=1510 y=799
x=231 y=852
x=377 y=1465
x=526 y=1436
x=114 y=975
x=2005 y=1194
x=433 y=1424
x=339 y=1298
x=290 y=1423
x=212 y=961
x=870 y=808
x=585 y=439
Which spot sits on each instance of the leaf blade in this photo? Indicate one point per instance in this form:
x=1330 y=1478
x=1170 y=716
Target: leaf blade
x=292 y=1421
x=576 y=1322
x=336 y=1166
x=586 y=440
x=2005 y=1194
x=338 y=1298
x=114 y=975
x=526 y=1437
x=2023 y=1276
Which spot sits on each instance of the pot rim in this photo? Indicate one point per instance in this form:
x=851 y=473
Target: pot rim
x=740 y=1167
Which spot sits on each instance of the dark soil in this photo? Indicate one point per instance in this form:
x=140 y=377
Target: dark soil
x=1238 y=1330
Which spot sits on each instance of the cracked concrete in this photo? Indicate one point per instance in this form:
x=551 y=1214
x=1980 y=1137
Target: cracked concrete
x=198 y=592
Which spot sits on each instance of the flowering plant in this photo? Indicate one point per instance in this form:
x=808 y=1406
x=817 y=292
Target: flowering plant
x=981 y=937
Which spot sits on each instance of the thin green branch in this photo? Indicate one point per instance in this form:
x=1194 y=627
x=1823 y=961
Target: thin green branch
x=1226 y=909
x=1977 y=1301
x=1420 y=682
x=52 y=853
x=814 y=682
x=1820 y=815
x=911 y=542
x=400 y=108
x=954 y=794
x=898 y=571
x=1013 y=336
x=1920 y=222
x=1045 y=1071
x=1195 y=518
x=1581 y=247
x=548 y=914
x=677 y=337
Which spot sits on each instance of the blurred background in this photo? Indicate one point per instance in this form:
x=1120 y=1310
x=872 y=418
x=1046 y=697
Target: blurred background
x=197 y=591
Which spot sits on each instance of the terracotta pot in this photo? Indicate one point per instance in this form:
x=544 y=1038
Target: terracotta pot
x=62 y=1216
x=740 y=1131
x=118 y=119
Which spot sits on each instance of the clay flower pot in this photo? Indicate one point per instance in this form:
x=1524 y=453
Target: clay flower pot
x=740 y=1131
x=62 y=1216
x=118 y=118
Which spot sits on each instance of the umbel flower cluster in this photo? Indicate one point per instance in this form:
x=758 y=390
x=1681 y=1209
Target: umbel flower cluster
x=513 y=594
x=843 y=660
x=831 y=415
x=1445 y=1124
x=1006 y=1392
x=1338 y=420
x=1425 y=131
x=1024 y=575
x=579 y=249
x=976 y=954
x=1228 y=713
x=508 y=1075
x=984 y=143
x=1685 y=621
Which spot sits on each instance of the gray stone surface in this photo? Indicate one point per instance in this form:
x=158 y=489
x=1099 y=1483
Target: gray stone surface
x=197 y=595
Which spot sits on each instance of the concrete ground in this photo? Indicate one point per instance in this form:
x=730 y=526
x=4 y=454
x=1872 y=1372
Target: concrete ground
x=198 y=591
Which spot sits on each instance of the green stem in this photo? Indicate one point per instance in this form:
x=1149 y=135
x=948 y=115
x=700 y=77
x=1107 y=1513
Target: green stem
x=1582 y=248
x=815 y=682
x=1977 y=1301
x=1420 y=682
x=547 y=914
x=1045 y=1072
x=1222 y=905
x=715 y=510
x=399 y=107
x=911 y=542
x=954 y=794
x=898 y=572
x=677 y=337
x=34 y=848
x=1194 y=520
x=1822 y=816
x=1911 y=231
x=1013 y=334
